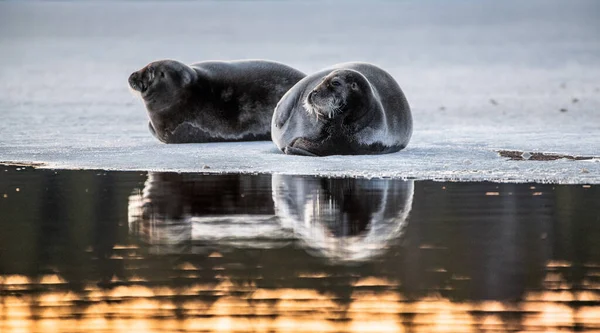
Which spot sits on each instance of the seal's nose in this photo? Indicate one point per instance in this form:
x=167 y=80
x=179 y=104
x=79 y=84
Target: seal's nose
x=134 y=81
x=132 y=78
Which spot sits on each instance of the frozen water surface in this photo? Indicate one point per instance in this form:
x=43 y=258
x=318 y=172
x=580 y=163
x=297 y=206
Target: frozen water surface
x=480 y=77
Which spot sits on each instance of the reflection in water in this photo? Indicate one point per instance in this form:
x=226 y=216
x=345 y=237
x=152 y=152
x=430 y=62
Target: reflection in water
x=241 y=253
x=343 y=219
x=175 y=211
x=340 y=219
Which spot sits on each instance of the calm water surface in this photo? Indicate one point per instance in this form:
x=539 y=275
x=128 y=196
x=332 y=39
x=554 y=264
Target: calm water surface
x=85 y=251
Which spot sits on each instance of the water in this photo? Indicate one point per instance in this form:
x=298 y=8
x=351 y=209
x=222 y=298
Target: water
x=85 y=251
x=480 y=77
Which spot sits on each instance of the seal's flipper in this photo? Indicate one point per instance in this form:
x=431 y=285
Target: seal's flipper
x=289 y=150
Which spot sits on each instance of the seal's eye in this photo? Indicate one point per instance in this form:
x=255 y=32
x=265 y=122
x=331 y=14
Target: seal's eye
x=335 y=83
x=162 y=74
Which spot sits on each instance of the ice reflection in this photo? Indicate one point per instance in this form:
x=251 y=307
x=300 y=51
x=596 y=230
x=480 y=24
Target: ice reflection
x=343 y=219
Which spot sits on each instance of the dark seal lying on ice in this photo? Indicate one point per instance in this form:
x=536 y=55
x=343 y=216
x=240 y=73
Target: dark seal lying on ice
x=212 y=101
x=348 y=109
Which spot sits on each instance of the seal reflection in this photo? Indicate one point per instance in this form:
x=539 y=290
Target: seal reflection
x=338 y=219
x=175 y=211
x=343 y=219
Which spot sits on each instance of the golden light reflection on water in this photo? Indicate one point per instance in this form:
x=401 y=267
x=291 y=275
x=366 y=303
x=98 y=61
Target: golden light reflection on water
x=374 y=306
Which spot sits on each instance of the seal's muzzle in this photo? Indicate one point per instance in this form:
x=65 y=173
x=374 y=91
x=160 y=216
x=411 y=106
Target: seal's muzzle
x=141 y=79
x=136 y=83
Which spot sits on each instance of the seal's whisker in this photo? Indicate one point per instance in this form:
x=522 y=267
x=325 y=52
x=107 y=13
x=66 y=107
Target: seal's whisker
x=310 y=108
x=335 y=106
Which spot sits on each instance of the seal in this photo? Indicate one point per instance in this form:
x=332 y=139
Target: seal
x=348 y=109
x=212 y=101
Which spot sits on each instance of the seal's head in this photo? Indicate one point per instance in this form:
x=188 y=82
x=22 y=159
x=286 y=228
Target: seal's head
x=335 y=93
x=161 y=82
x=339 y=106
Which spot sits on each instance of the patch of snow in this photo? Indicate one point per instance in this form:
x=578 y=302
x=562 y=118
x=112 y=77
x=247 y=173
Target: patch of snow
x=64 y=99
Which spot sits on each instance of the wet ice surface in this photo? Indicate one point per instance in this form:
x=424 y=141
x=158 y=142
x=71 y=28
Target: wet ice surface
x=479 y=78
x=95 y=251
